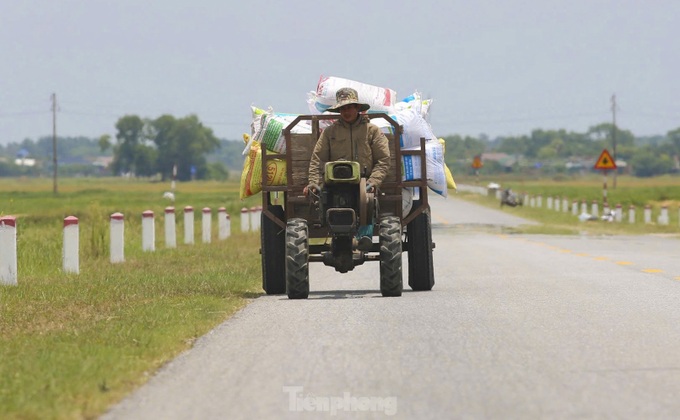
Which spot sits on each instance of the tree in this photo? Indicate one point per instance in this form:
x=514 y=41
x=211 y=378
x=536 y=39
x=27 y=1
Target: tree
x=132 y=153
x=647 y=163
x=104 y=142
x=183 y=142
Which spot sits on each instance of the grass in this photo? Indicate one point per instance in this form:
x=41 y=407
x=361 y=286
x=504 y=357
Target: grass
x=74 y=344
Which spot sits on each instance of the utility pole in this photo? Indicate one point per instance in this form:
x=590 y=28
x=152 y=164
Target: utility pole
x=614 y=136
x=54 y=143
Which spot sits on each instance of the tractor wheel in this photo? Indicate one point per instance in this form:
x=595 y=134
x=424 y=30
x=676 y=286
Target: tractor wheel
x=420 y=260
x=391 y=282
x=272 y=248
x=297 y=259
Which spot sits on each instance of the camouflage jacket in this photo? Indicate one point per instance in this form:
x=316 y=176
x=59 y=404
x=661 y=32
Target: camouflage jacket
x=359 y=141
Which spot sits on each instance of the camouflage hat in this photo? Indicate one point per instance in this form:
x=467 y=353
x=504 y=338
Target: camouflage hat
x=346 y=96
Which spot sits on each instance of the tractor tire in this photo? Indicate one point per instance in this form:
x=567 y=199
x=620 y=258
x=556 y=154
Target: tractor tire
x=297 y=259
x=273 y=248
x=391 y=280
x=420 y=260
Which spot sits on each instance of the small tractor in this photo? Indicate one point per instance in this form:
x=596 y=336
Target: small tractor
x=297 y=230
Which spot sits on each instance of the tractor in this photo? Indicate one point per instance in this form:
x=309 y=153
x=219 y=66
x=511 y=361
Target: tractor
x=298 y=229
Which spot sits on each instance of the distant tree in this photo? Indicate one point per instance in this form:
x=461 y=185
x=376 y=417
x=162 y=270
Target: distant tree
x=132 y=150
x=104 y=142
x=674 y=138
x=647 y=163
x=183 y=142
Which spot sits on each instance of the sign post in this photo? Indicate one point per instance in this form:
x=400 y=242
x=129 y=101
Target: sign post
x=476 y=164
x=605 y=163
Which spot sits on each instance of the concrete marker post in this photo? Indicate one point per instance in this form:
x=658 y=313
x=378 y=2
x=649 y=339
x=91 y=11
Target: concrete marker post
x=574 y=207
x=565 y=204
x=648 y=214
x=618 y=213
x=188 y=225
x=206 y=225
x=71 y=247
x=663 y=216
x=245 y=220
x=557 y=204
x=148 y=231
x=631 y=214
x=170 y=231
x=8 y=255
x=549 y=203
x=223 y=223
x=117 y=244
x=539 y=201
x=593 y=209
x=584 y=206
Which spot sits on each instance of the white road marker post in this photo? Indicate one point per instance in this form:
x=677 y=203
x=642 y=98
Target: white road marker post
x=206 y=225
x=245 y=220
x=631 y=214
x=188 y=225
x=170 y=231
x=117 y=247
x=223 y=223
x=8 y=250
x=70 y=255
x=148 y=231
x=648 y=214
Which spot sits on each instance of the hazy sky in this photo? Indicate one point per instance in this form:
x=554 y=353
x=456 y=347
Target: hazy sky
x=494 y=67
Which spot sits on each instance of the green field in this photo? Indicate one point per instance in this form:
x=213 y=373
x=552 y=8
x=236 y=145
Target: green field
x=74 y=344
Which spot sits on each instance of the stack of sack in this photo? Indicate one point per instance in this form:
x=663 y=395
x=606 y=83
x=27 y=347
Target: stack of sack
x=410 y=112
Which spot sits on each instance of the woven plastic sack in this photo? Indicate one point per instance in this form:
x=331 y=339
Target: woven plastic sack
x=251 y=177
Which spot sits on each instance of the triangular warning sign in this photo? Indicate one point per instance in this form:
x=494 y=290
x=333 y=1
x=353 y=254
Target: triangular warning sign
x=605 y=161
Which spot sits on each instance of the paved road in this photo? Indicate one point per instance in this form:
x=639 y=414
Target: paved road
x=517 y=326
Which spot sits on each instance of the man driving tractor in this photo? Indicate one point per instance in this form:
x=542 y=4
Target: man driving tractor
x=352 y=137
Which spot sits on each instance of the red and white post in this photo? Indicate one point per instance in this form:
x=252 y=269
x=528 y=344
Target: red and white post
x=170 y=231
x=71 y=257
x=631 y=214
x=8 y=250
x=223 y=223
x=206 y=225
x=648 y=214
x=148 y=231
x=618 y=213
x=117 y=238
x=188 y=225
x=245 y=220
x=663 y=216
x=593 y=209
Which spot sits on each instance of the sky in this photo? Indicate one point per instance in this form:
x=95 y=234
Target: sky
x=499 y=68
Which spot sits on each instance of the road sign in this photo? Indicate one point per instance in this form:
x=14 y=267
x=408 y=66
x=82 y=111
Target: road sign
x=477 y=162
x=605 y=161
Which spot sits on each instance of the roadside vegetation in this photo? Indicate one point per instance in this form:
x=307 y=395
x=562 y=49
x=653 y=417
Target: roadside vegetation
x=74 y=344
x=655 y=192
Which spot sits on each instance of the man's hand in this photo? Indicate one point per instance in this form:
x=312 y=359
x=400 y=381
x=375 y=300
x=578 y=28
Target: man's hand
x=313 y=188
x=370 y=188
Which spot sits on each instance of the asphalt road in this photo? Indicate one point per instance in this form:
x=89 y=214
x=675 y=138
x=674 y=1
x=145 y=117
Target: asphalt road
x=517 y=327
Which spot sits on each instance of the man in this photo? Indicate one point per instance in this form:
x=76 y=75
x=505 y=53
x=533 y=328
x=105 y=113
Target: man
x=352 y=137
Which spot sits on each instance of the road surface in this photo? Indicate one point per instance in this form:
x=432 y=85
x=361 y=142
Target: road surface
x=516 y=327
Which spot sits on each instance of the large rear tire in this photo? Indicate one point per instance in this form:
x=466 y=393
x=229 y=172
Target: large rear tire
x=420 y=260
x=272 y=248
x=391 y=279
x=297 y=259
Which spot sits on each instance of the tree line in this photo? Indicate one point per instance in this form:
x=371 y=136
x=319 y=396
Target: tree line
x=153 y=147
